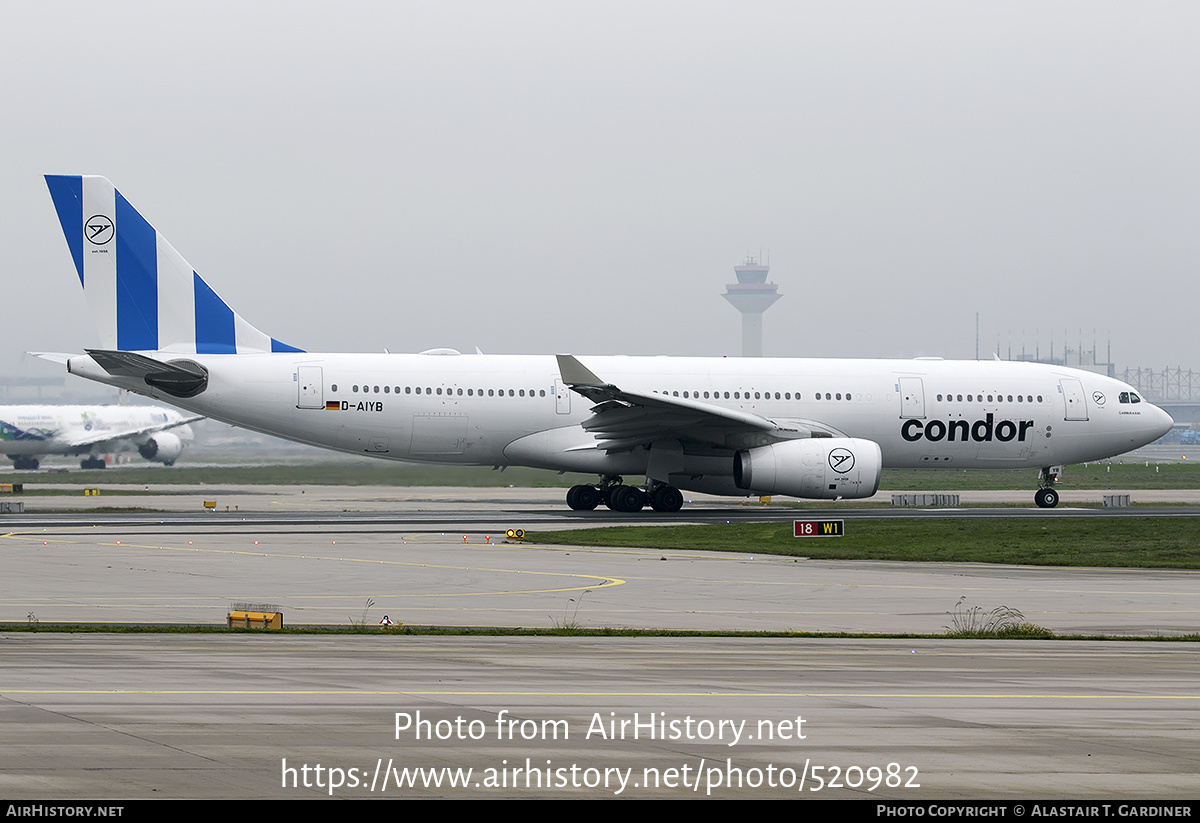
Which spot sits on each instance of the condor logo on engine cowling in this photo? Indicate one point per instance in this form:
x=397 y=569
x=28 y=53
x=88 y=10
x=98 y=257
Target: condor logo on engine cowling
x=841 y=460
x=981 y=431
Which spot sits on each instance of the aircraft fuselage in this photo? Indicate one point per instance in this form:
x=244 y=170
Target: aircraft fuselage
x=515 y=410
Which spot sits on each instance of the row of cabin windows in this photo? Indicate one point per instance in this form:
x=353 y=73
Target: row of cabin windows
x=996 y=398
x=737 y=395
x=455 y=391
x=1125 y=397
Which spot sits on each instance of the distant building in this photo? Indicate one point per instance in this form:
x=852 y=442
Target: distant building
x=1075 y=358
x=752 y=295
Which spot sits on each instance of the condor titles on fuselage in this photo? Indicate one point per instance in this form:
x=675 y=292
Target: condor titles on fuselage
x=809 y=428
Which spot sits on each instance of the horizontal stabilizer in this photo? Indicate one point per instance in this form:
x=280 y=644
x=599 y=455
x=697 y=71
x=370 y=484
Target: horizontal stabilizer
x=179 y=378
x=58 y=357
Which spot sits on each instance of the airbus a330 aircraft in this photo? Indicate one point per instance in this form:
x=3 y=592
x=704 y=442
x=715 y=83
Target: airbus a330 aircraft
x=30 y=432
x=820 y=429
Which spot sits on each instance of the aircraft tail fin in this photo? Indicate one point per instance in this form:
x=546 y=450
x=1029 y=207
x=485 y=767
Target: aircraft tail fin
x=142 y=294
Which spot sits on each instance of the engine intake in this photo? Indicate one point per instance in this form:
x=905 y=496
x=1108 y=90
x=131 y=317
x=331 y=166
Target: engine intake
x=825 y=468
x=163 y=447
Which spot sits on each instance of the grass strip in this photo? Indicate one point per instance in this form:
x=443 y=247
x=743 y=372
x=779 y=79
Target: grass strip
x=1126 y=542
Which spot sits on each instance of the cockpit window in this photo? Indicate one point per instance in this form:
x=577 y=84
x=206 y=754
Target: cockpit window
x=1133 y=398
x=1123 y=397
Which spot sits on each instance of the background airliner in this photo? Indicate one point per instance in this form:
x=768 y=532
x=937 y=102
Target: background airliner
x=807 y=428
x=30 y=432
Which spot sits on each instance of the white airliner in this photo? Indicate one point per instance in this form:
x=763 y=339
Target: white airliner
x=817 y=429
x=30 y=432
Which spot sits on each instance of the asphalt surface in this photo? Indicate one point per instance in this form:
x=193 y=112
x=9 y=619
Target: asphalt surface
x=112 y=716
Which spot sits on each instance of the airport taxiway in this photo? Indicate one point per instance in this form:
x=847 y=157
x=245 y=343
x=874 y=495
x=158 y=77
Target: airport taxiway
x=438 y=557
x=164 y=716
x=111 y=716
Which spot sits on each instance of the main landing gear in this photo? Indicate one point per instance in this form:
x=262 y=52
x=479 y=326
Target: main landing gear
x=23 y=463
x=1046 y=497
x=613 y=493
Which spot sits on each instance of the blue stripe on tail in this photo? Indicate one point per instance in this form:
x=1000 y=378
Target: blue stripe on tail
x=67 y=194
x=137 y=280
x=215 y=333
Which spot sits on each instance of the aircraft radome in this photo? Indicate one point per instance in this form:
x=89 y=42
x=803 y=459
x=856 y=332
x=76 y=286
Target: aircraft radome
x=30 y=432
x=807 y=428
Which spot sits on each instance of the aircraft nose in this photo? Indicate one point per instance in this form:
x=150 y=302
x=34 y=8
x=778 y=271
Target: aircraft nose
x=1162 y=423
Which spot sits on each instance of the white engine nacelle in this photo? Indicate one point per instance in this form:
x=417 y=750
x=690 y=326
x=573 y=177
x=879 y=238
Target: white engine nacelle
x=163 y=447
x=816 y=468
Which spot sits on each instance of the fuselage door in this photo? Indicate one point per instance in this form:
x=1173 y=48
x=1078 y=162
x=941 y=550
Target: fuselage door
x=562 y=397
x=912 y=397
x=310 y=388
x=1073 y=398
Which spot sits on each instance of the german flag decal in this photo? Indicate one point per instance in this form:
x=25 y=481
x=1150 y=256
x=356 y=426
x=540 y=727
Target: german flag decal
x=332 y=405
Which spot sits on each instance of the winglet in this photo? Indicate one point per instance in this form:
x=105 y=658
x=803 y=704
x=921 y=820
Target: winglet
x=575 y=374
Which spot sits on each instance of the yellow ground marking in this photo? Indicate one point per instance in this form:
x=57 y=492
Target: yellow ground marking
x=600 y=581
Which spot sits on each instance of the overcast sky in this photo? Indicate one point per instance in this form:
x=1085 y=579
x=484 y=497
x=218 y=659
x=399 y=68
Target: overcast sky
x=581 y=177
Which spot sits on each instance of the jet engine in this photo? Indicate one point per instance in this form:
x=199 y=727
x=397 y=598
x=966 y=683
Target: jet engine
x=163 y=447
x=817 y=468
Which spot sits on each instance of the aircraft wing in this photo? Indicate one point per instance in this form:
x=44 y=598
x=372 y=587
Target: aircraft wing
x=623 y=419
x=83 y=438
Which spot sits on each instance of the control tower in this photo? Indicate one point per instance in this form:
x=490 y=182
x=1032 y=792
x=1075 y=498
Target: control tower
x=752 y=295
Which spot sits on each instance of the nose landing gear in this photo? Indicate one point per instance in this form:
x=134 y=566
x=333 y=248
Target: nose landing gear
x=1046 y=497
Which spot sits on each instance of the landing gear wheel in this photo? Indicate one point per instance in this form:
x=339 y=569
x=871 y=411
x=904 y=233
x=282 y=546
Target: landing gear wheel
x=627 y=499
x=666 y=499
x=583 y=498
x=1046 y=498
x=588 y=498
